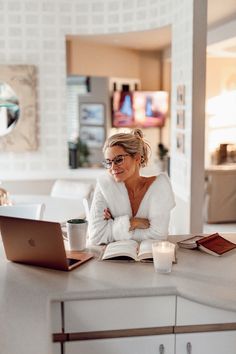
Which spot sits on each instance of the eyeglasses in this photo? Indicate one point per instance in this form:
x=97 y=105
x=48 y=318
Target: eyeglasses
x=118 y=160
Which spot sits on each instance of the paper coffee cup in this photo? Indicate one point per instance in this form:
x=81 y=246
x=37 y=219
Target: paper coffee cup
x=76 y=234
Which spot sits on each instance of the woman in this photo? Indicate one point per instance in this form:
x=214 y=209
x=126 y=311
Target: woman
x=125 y=204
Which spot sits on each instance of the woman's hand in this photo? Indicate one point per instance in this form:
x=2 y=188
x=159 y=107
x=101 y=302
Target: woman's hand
x=139 y=223
x=107 y=214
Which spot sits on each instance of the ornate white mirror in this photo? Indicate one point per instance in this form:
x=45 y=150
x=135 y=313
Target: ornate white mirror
x=17 y=108
x=9 y=108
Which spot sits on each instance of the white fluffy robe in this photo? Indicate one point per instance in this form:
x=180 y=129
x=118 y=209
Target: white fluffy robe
x=155 y=206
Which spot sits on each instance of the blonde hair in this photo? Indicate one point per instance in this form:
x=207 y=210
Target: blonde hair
x=132 y=143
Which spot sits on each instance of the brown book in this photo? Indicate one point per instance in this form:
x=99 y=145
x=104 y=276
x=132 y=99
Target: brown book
x=213 y=244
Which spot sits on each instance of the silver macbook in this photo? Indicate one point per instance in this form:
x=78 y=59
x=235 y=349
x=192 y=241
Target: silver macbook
x=38 y=243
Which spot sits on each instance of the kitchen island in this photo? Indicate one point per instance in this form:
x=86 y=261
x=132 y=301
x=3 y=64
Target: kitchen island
x=34 y=299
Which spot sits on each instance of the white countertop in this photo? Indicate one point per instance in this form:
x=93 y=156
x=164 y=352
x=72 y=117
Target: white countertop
x=26 y=291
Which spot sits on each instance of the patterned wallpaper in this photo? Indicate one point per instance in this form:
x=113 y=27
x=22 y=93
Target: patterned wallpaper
x=33 y=32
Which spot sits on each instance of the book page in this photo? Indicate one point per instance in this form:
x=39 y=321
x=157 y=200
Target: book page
x=191 y=242
x=126 y=248
x=145 y=250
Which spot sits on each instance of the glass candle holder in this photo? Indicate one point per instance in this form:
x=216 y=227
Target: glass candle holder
x=163 y=256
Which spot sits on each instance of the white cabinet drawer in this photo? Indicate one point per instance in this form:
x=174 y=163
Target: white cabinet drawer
x=137 y=345
x=122 y=313
x=192 y=313
x=206 y=343
x=55 y=314
x=56 y=348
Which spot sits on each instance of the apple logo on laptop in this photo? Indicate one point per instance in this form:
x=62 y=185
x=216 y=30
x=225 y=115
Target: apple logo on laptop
x=31 y=242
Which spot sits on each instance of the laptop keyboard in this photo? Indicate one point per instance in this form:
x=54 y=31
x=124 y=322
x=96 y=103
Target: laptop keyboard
x=71 y=261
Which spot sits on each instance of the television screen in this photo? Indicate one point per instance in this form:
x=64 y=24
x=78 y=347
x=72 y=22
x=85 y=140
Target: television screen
x=139 y=108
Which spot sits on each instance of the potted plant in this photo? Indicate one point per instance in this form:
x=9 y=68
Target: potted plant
x=83 y=154
x=162 y=153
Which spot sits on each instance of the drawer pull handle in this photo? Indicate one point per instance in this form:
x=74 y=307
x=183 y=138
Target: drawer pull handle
x=161 y=349
x=189 y=348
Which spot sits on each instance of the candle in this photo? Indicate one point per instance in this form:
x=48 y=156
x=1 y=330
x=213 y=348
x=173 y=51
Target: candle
x=163 y=255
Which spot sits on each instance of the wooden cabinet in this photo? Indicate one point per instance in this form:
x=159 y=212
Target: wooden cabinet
x=162 y=344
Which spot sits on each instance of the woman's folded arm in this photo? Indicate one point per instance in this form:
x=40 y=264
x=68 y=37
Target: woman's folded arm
x=105 y=231
x=158 y=228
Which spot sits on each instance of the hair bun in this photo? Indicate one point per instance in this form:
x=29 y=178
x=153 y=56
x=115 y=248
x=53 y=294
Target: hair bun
x=137 y=132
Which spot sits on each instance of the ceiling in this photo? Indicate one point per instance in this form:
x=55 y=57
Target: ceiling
x=222 y=17
x=219 y=13
x=144 y=40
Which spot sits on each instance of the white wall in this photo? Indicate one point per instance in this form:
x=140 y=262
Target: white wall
x=33 y=32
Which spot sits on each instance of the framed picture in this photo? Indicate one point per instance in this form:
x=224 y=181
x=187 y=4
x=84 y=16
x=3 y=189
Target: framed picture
x=92 y=114
x=92 y=136
x=180 y=118
x=181 y=94
x=180 y=142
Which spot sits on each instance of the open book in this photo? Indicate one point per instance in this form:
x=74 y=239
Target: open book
x=129 y=250
x=213 y=244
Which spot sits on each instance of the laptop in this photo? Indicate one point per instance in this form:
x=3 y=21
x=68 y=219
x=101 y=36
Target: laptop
x=38 y=243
